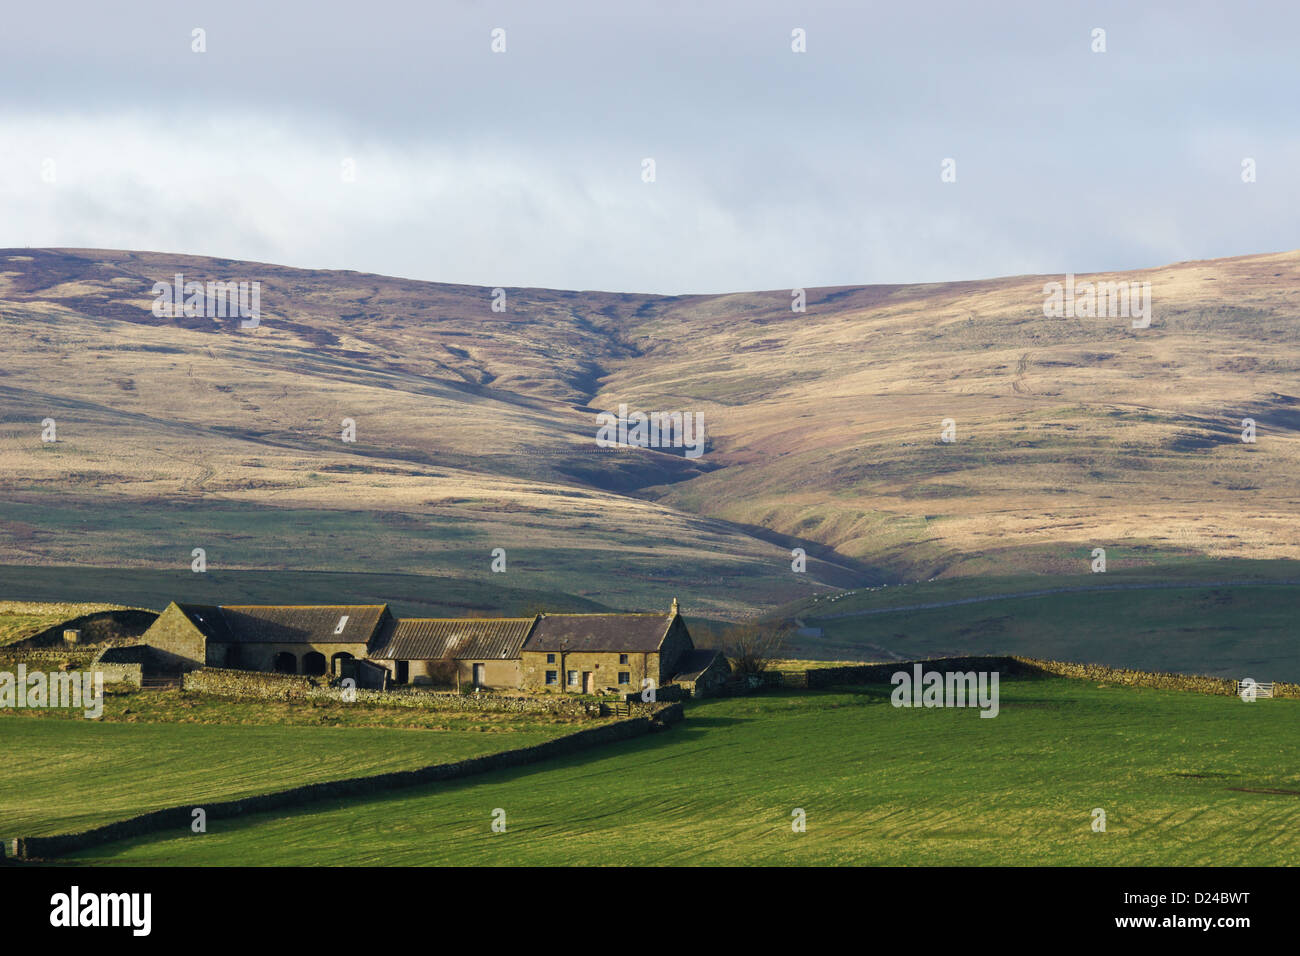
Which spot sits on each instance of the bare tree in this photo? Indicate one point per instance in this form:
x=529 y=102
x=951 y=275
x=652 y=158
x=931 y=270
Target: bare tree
x=752 y=647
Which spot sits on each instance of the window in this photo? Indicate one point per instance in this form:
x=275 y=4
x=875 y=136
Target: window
x=550 y=658
x=573 y=678
x=552 y=677
x=624 y=677
x=622 y=658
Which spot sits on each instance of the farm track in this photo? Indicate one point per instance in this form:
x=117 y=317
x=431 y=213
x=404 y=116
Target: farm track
x=1018 y=383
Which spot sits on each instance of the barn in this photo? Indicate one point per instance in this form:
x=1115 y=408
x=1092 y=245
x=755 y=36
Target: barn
x=289 y=639
x=475 y=652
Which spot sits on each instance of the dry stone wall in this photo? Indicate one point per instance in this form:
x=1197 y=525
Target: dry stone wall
x=1014 y=666
x=258 y=685
x=178 y=818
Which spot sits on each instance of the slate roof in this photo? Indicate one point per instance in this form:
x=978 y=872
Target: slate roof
x=287 y=624
x=209 y=620
x=694 y=663
x=599 y=632
x=427 y=639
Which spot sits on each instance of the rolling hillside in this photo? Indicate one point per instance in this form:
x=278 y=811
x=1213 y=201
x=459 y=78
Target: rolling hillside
x=475 y=429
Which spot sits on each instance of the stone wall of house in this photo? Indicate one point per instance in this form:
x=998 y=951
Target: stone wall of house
x=677 y=642
x=261 y=657
x=533 y=668
x=604 y=667
x=711 y=680
x=498 y=674
x=178 y=642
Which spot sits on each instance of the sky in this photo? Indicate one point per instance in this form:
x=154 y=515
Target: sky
x=390 y=137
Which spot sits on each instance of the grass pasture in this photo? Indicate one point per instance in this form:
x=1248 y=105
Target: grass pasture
x=1164 y=622
x=20 y=620
x=1184 y=779
x=154 y=750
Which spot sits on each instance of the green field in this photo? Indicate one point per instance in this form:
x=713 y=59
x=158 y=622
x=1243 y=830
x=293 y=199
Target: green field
x=65 y=775
x=1184 y=779
x=1237 y=629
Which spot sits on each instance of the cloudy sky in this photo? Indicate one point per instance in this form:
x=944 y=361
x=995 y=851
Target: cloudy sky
x=773 y=169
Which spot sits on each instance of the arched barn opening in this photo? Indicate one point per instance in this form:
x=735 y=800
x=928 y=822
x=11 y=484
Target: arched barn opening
x=336 y=662
x=313 y=662
x=286 y=663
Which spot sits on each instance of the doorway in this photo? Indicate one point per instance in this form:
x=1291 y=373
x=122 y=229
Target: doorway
x=479 y=675
x=588 y=682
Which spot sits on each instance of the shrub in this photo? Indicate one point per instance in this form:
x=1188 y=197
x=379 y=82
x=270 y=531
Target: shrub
x=752 y=647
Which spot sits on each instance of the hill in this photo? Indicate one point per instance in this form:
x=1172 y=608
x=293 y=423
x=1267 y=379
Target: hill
x=24 y=620
x=475 y=429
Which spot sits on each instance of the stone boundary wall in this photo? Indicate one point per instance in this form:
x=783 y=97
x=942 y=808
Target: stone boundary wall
x=1027 y=667
x=45 y=658
x=741 y=684
x=179 y=818
x=248 y=685
x=1201 y=684
x=668 y=693
x=881 y=673
x=132 y=674
x=259 y=685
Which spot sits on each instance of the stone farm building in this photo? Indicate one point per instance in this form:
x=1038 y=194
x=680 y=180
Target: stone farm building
x=573 y=653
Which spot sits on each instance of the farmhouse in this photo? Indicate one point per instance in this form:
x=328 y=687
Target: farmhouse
x=586 y=653
x=566 y=653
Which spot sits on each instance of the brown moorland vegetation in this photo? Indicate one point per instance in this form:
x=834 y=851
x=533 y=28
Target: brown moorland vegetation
x=476 y=429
